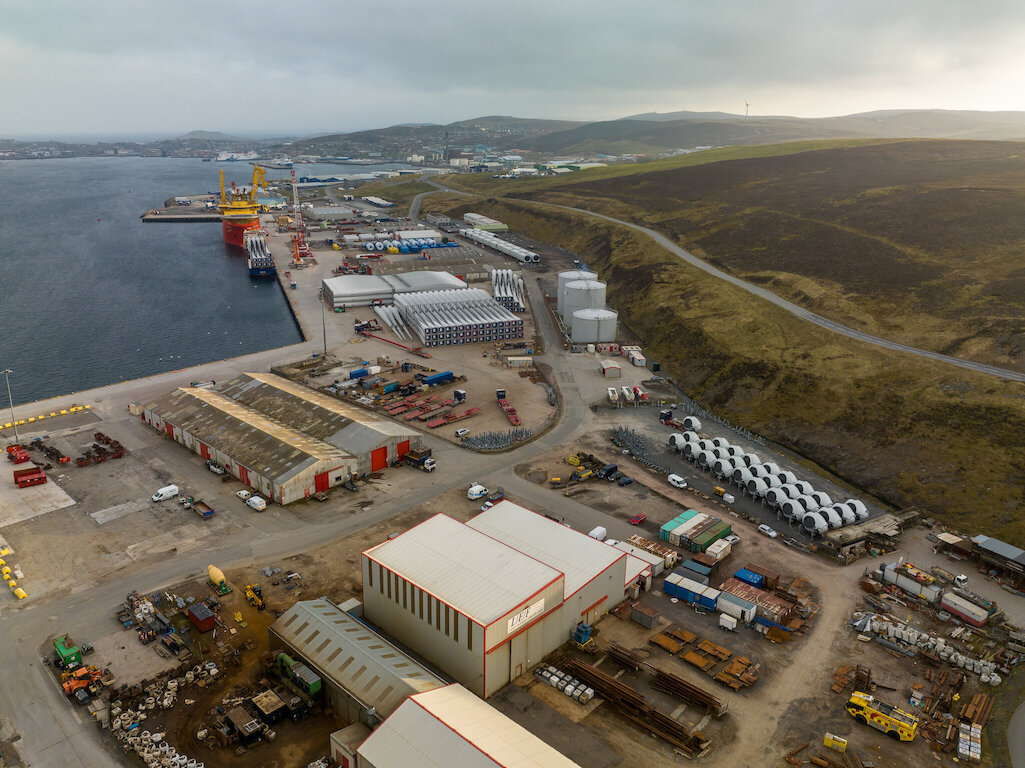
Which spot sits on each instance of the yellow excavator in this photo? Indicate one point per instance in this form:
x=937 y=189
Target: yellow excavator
x=255 y=596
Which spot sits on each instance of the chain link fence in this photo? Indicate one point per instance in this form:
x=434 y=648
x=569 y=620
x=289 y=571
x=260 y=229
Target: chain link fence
x=634 y=444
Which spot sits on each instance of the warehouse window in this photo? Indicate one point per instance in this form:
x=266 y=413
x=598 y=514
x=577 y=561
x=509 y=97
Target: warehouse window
x=469 y=635
x=437 y=617
x=421 y=603
x=389 y=585
x=405 y=603
x=455 y=627
x=447 y=611
x=430 y=601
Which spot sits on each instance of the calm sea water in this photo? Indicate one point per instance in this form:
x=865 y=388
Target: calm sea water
x=90 y=295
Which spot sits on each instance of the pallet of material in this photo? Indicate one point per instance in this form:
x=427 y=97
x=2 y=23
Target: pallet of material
x=688 y=693
x=977 y=710
x=682 y=635
x=700 y=661
x=739 y=673
x=715 y=651
x=664 y=641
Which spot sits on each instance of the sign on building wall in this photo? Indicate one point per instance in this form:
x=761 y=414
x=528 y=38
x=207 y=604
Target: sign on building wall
x=526 y=615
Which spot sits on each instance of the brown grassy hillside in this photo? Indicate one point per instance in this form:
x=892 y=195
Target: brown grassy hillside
x=912 y=431
x=918 y=241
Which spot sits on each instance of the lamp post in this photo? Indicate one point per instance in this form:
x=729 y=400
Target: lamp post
x=323 y=321
x=7 y=375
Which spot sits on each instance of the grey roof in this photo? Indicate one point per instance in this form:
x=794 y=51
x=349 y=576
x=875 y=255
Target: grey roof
x=345 y=651
x=249 y=438
x=478 y=576
x=1001 y=548
x=344 y=426
x=574 y=553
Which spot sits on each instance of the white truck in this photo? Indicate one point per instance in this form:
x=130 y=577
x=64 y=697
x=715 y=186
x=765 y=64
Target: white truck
x=476 y=491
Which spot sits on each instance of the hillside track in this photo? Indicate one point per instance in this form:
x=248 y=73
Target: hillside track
x=779 y=301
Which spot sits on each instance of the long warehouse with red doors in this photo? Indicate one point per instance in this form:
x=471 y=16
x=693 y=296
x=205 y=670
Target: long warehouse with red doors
x=282 y=439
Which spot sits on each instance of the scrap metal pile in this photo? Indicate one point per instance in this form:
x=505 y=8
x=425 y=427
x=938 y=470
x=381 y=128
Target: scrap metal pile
x=97 y=453
x=635 y=707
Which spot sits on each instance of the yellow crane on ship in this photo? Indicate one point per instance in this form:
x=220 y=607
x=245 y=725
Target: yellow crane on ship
x=239 y=200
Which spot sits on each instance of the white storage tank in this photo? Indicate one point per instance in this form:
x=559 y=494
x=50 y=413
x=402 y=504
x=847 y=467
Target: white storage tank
x=581 y=294
x=593 y=326
x=568 y=277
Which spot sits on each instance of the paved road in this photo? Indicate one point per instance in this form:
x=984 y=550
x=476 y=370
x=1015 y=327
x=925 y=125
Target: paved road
x=789 y=306
x=1016 y=737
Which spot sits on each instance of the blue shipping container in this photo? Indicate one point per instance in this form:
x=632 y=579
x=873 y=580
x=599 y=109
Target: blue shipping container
x=695 y=576
x=670 y=589
x=754 y=579
x=358 y=374
x=768 y=623
x=391 y=386
x=704 y=570
x=706 y=602
x=438 y=378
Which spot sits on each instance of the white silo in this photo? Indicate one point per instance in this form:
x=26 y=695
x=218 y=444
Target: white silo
x=581 y=294
x=593 y=326
x=568 y=277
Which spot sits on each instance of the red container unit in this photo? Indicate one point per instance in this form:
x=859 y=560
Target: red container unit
x=29 y=476
x=17 y=454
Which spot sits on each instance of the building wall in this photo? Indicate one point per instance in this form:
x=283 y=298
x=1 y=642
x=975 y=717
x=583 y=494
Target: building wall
x=433 y=629
x=519 y=653
x=596 y=598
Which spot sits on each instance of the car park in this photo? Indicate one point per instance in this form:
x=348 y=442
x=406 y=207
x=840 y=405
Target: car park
x=767 y=530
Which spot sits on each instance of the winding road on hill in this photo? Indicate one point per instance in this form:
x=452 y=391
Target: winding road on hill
x=779 y=301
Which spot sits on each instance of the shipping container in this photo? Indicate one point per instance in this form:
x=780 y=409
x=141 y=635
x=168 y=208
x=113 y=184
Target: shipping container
x=768 y=604
x=704 y=570
x=709 y=598
x=719 y=550
x=770 y=579
x=703 y=541
x=665 y=530
x=438 y=378
x=671 y=585
x=964 y=609
x=645 y=616
x=369 y=382
x=359 y=373
x=749 y=577
x=741 y=609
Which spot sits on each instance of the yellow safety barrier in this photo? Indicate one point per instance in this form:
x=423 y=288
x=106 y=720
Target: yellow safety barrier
x=33 y=419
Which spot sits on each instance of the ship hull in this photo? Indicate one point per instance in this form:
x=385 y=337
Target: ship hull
x=235 y=229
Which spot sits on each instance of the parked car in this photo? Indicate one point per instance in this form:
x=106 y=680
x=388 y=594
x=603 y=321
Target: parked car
x=462 y=432
x=614 y=476
x=486 y=506
x=476 y=491
x=605 y=471
x=677 y=481
x=214 y=467
x=625 y=480
x=767 y=530
x=733 y=539
x=244 y=495
x=639 y=519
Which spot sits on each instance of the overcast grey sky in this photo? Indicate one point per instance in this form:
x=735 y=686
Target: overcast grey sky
x=322 y=65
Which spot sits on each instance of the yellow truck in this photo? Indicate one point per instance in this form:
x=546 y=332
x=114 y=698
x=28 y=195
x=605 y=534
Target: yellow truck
x=894 y=722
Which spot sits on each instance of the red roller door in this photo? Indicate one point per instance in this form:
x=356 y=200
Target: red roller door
x=243 y=474
x=320 y=482
x=379 y=459
x=402 y=448
x=204 y=451
x=169 y=429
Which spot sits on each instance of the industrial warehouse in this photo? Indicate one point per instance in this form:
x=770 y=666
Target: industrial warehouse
x=348 y=291
x=487 y=600
x=280 y=438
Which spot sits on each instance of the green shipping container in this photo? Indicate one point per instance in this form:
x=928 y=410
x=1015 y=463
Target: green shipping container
x=709 y=536
x=683 y=517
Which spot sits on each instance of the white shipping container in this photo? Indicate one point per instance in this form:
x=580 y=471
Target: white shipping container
x=719 y=549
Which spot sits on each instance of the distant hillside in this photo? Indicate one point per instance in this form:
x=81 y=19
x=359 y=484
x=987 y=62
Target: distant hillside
x=499 y=123
x=209 y=136
x=656 y=133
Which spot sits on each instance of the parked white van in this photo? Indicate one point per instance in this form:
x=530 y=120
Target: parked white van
x=165 y=493
x=677 y=482
x=257 y=503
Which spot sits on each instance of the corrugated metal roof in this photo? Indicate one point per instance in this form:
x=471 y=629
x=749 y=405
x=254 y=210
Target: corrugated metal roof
x=997 y=547
x=354 y=657
x=480 y=577
x=577 y=555
x=313 y=413
x=452 y=727
x=251 y=439
x=635 y=567
x=641 y=554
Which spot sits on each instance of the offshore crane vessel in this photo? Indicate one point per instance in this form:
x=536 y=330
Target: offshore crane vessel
x=239 y=209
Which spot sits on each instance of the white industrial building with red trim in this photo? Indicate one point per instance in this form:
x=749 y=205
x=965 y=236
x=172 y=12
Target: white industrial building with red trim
x=487 y=600
x=282 y=439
